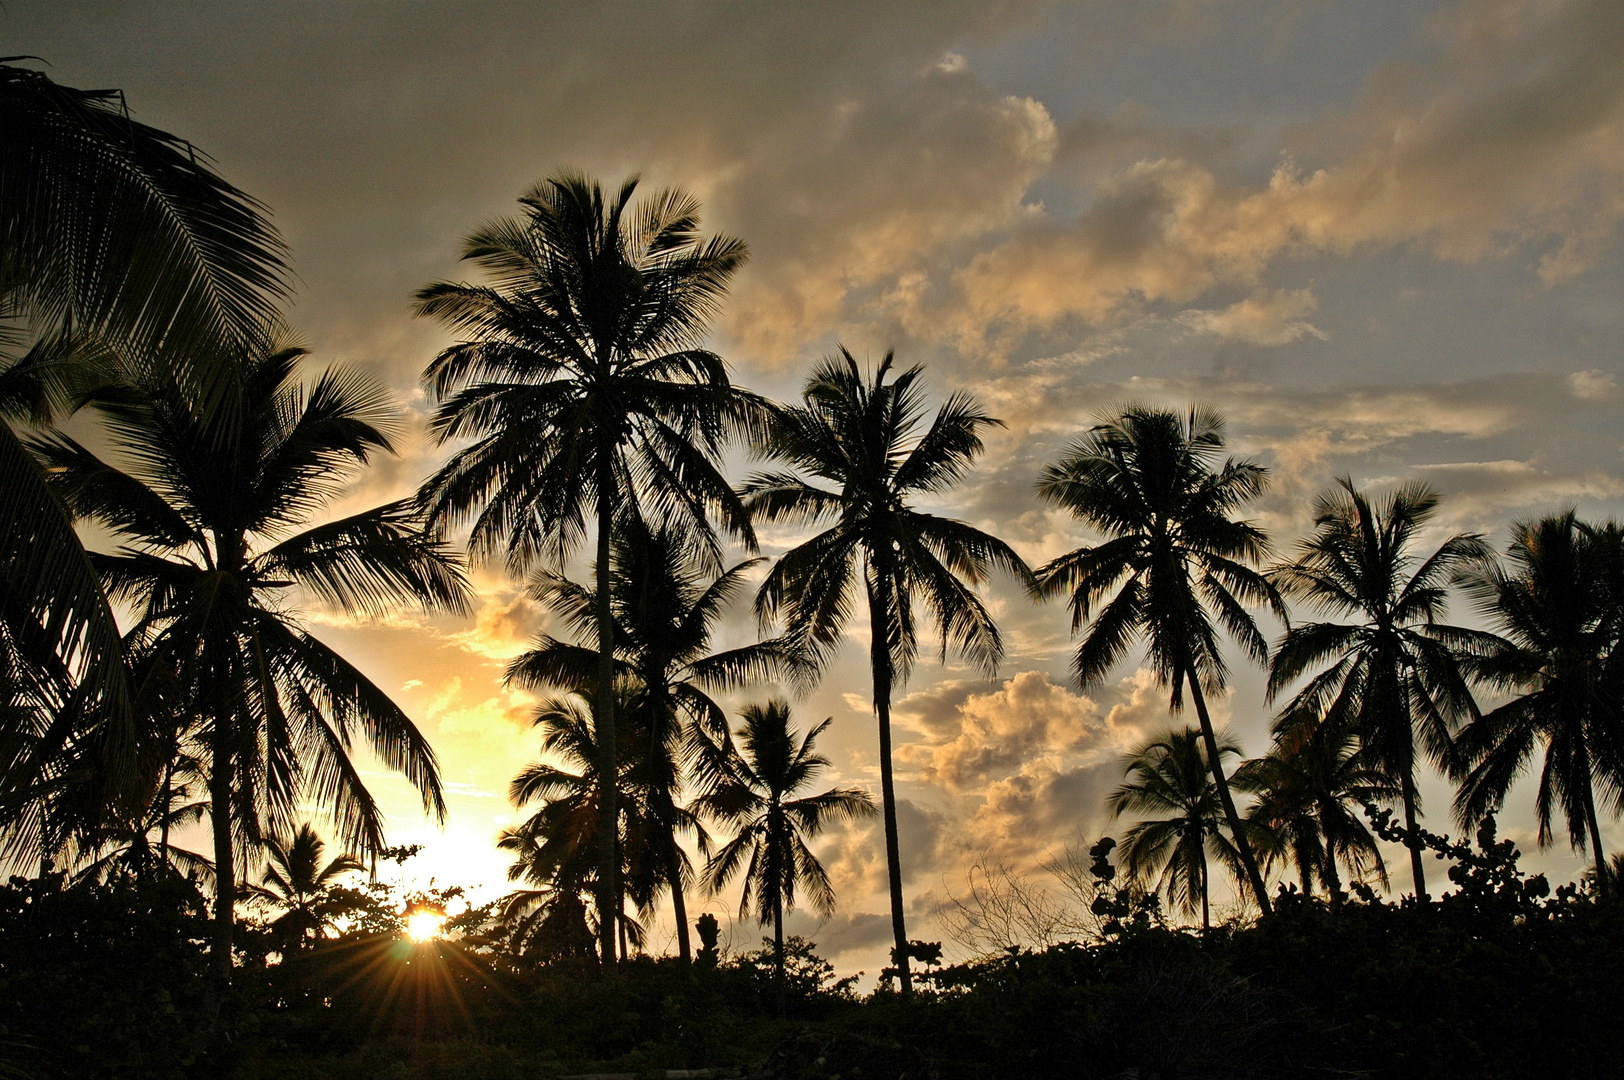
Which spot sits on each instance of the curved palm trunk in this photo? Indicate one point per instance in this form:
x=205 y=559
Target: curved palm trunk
x=1412 y=836
x=679 y=903
x=225 y=876
x=880 y=661
x=1243 y=846
x=604 y=717
x=1595 y=833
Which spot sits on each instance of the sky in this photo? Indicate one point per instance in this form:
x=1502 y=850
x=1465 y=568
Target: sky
x=1382 y=238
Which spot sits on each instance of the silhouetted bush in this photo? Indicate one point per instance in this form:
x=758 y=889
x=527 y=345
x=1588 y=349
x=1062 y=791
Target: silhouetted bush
x=106 y=980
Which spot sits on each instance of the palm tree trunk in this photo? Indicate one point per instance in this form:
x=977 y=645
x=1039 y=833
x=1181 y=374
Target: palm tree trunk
x=604 y=717
x=1206 y=903
x=169 y=788
x=679 y=903
x=225 y=877
x=1333 y=879
x=778 y=945
x=1412 y=836
x=880 y=661
x=1243 y=846
x=1595 y=834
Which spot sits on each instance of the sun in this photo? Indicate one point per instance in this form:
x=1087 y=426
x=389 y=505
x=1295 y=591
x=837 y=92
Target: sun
x=425 y=924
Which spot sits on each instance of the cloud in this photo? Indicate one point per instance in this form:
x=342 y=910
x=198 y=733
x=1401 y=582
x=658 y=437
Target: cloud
x=851 y=208
x=1514 y=136
x=495 y=727
x=1592 y=385
x=504 y=626
x=1483 y=493
x=996 y=731
x=974 y=738
x=1264 y=318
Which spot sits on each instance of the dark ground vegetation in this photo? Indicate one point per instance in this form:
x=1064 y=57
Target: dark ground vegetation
x=1503 y=977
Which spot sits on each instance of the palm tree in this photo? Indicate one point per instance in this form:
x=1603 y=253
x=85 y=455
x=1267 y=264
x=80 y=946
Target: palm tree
x=1170 y=779
x=549 y=919
x=665 y=609
x=1394 y=673
x=210 y=545
x=1559 y=621
x=556 y=847
x=1177 y=563
x=296 y=882
x=112 y=234
x=582 y=387
x=862 y=439
x=125 y=231
x=1307 y=787
x=755 y=791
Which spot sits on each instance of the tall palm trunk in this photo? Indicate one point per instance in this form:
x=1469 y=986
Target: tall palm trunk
x=1412 y=834
x=778 y=944
x=604 y=715
x=1243 y=846
x=163 y=823
x=225 y=877
x=679 y=903
x=1595 y=833
x=1206 y=902
x=1333 y=878
x=880 y=661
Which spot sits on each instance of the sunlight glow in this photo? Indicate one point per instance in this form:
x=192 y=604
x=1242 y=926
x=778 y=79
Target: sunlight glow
x=425 y=925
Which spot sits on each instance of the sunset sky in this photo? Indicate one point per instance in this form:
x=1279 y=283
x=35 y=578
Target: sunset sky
x=1382 y=238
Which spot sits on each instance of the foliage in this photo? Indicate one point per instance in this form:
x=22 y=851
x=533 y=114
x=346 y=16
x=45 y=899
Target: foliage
x=1175 y=566
x=857 y=462
x=756 y=787
x=584 y=400
x=1182 y=820
x=115 y=237
x=664 y=607
x=106 y=980
x=1560 y=617
x=1391 y=676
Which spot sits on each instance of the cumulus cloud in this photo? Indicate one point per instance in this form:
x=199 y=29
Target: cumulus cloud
x=507 y=621
x=851 y=209
x=1515 y=135
x=1592 y=385
x=981 y=736
x=1263 y=318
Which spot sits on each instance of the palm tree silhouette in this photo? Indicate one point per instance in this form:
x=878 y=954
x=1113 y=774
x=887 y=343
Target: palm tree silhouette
x=1175 y=560
x=556 y=848
x=210 y=547
x=1394 y=673
x=754 y=790
x=582 y=387
x=1558 y=615
x=296 y=882
x=1169 y=778
x=665 y=609
x=862 y=438
x=112 y=233
x=1307 y=788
